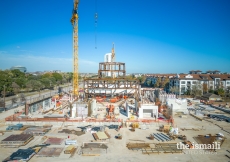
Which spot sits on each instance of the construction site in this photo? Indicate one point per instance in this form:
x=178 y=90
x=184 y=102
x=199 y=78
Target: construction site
x=112 y=118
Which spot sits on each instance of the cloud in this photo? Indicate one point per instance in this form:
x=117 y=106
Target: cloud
x=3 y=52
x=42 y=63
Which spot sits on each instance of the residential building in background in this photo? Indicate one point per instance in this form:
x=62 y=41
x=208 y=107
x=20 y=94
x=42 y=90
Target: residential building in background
x=183 y=82
x=212 y=81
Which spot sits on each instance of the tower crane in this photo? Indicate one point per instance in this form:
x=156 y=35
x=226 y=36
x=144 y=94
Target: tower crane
x=113 y=54
x=113 y=60
x=74 y=22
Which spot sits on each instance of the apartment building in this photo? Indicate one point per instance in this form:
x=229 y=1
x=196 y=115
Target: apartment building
x=212 y=81
x=151 y=79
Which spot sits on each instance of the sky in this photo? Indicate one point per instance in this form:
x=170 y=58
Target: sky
x=150 y=36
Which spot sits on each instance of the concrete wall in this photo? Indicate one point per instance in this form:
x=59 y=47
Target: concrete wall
x=178 y=105
x=153 y=109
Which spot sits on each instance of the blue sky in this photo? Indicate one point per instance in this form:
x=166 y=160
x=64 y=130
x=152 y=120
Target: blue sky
x=150 y=36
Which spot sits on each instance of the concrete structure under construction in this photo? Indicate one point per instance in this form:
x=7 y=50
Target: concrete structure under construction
x=177 y=105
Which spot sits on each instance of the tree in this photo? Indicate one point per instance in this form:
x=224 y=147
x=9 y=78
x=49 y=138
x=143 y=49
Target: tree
x=188 y=91
x=149 y=82
x=14 y=100
x=205 y=87
x=196 y=90
x=211 y=89
x=164 y=83
x=1 y=103
x=29 y=86
x=174 y=90
x=47 y=83
x=47 y=75
x=21 y=82
x=64 y=80
x=140 y=79
x=15 y=87
x=52 y=79
x=158 y=82
x=58 y=83
x=17 y=73
x=221 y=92
x=57 y=76
x=22 y=97
x=35 y=85
x=69 y=77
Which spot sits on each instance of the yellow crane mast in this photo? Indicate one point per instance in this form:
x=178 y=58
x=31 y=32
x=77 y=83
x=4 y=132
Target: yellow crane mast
x=74 y=22
x=113 y=54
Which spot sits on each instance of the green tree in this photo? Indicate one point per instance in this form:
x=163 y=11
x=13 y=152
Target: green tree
x=205 y=87
x=196 y=90
x=16 y=88
x=149 y=82
x=46 y=82
x=35 y=85
x=47 y=75
x=164 y=83
x=174 y=90
x=17 y=73
x=14 y=100
x=158 y=83
x=22 y=97
x=221 y=92
x=64 y=80
x=69 y=76
x=141 y=79
x=29 y=85
x=57 y=76
x=53 y=80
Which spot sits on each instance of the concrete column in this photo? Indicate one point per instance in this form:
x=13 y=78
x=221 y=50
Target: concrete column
x=35 y=107
x=43 y=104
x=111 y=93
x=49 y=102
x=27 y=109
x=127 y=110
x=55 y=103
x=136 y=105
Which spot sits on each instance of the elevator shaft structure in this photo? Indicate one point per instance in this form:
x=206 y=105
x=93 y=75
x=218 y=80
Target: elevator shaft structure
x=74 y=22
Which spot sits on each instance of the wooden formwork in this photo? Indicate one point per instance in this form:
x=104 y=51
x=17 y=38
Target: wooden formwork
x=16 y=140
x=49 y=152
x=156 y=148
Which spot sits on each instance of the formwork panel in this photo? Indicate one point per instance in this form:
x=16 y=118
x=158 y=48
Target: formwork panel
x=50 y=152
x=17 y=137
x=54 y=141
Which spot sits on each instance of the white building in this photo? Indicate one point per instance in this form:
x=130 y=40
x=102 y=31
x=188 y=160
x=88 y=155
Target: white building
x=108 y=57
x=185 y=82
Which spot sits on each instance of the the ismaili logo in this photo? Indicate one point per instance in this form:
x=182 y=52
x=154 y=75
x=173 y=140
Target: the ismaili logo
x=213 y=146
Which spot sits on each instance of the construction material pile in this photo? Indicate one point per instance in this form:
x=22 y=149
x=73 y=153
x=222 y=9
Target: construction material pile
x=17 y=140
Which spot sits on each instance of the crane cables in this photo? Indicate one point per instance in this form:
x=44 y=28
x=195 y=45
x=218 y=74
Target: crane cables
x=95 y=28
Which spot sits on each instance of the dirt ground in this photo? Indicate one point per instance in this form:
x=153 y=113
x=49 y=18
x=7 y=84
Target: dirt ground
x=117 y=151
